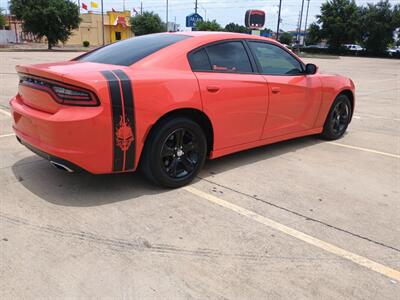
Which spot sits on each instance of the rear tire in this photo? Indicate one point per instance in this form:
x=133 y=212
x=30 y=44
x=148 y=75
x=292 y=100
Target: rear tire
x=174 y=152
x=338 y=118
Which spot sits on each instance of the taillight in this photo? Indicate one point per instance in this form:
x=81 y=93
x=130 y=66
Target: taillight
x=61 y=93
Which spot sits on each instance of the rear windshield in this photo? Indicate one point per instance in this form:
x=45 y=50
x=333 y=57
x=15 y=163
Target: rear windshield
x=128 y=52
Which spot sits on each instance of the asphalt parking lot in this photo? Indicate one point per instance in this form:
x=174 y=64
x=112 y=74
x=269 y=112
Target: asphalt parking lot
x=296 y=220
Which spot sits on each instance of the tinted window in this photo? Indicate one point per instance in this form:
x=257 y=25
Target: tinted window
x=229 y=57
x=199 y=61
x=127 y=52
x=274 y=60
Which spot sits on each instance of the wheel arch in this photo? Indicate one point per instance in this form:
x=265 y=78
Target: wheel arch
x=348 y=93
x=193 y=114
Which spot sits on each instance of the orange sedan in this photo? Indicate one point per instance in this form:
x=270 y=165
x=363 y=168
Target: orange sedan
x=165 y=102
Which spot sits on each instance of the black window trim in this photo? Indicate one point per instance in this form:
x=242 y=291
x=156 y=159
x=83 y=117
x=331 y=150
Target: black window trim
x=253 y=64
x=259 y=68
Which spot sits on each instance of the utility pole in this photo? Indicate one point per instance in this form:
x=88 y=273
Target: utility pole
x=167 y=17
x=123 y=5
x=102 y=20
x=301 y=20
x=205 y=11
x=195 y=7
x=279 y=19
x=174 y=24
x=141 y=8
x=305 y=26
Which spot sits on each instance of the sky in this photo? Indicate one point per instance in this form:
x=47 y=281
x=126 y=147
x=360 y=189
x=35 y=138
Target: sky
x=224 y=11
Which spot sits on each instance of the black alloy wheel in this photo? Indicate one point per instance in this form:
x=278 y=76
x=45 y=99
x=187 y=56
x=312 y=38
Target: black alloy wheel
x=338 y=118
x=174 y=153
x=180 y=153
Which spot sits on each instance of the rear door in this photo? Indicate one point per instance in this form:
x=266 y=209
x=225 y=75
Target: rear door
x=234 y=96
x=294 y=97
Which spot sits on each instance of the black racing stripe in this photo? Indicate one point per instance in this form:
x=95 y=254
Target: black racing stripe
x=116 y=108
x=126 y=85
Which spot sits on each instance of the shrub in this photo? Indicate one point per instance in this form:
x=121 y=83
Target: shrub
x=86 y=44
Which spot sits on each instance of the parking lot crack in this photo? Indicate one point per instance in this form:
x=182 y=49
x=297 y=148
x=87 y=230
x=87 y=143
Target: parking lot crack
x=307 y=218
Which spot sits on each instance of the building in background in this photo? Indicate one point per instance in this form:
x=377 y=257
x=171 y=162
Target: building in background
x=116 y=27
x=173 y=27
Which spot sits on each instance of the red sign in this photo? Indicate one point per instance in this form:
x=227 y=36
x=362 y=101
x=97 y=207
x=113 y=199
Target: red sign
x=254 y=19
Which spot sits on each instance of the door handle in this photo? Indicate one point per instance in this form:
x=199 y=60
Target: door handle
x=212 y=88
x=276 y=90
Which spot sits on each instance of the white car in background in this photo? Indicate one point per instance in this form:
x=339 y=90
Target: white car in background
x=393 y=51
x=354 y=47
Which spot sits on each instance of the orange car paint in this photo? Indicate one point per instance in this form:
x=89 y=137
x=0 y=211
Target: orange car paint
x=245 y=110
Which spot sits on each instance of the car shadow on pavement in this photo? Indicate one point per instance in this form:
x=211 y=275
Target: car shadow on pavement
x=79 y=189
x=237 y=160
x=86 y=190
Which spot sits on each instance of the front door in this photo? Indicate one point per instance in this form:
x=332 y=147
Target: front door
x=295 y=97
x=234 y=97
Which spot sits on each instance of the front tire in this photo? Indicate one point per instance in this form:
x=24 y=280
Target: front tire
x=174 y=153
x=338 y=118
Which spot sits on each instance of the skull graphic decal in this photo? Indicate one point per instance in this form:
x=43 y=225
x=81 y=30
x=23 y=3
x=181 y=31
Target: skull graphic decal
x=124 y=134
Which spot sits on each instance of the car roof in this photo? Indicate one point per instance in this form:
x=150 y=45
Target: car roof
x=221 y=35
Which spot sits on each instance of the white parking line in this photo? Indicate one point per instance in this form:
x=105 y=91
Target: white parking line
x=365 y=149
x=6 y=135
x=5 y=112
x=375 y=117
x=355 y=258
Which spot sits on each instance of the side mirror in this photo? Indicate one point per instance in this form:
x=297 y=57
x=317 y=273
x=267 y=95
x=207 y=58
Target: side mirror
x=311 y=69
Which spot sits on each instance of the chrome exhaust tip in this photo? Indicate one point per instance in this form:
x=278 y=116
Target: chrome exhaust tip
x=61 y=167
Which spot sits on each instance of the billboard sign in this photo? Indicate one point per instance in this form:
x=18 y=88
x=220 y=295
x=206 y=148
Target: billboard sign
x=192 y=19
x=254 y=19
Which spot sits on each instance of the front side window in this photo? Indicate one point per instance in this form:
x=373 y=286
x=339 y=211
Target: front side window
x=229 y=57
x=275 y=61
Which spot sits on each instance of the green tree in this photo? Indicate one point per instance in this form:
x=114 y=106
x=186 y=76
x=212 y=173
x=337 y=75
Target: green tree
x=233 y=27
x=2 y=19
x=208 y=26
x=313 y=34
x=339 y=21
x=146 y=23
x=286 y=38
x=53 y=19
x=378 y=21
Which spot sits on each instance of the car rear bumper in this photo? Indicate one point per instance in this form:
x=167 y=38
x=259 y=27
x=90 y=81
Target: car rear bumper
x=74 y=136
x=56 y=161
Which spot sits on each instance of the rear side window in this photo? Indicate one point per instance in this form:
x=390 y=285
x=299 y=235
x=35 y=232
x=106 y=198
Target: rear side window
x=229 y=57
x=199 y=61
x=128 y=52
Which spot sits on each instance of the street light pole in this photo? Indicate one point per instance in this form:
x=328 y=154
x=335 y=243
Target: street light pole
x=205 y=11
x=305 y=26
x=279 y=19
x=167 y=16
x=102 y=20
x=301 y=20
